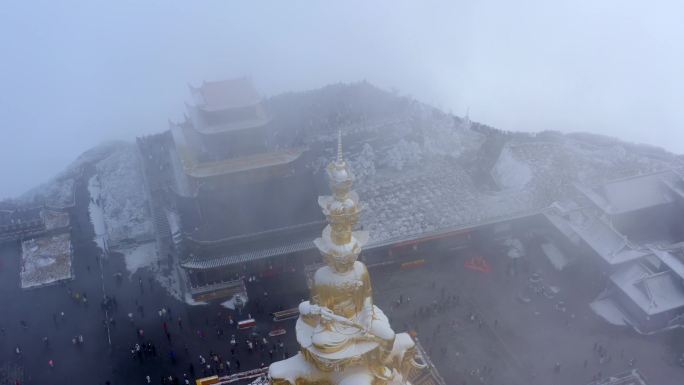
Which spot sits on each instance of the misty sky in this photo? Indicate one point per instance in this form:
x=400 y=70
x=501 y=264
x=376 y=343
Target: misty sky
x=73 y=74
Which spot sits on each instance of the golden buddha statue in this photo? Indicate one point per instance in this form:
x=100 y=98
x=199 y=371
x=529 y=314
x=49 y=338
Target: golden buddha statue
x=344 y=338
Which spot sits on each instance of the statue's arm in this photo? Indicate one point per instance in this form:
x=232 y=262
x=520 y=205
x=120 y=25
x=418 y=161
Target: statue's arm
x=310 y=312
x=367 y=309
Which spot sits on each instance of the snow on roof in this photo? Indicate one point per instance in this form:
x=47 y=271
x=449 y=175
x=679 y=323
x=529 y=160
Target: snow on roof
x=653 y=293
x=631 y=377
x=509 y=172
x=225 y=94
x=440 y=195
x=565 y=207
x=594 y=197
x=674 y=259
x=45 y=260
x=557 y=258
x=253 y=255
x=634 y=193
x=607 y=242
x=676 y=185
x=609 y=310
x=561 y=224
x=421 y=193
x=413 y=204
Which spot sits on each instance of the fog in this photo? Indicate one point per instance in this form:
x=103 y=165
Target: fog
x=76 y=73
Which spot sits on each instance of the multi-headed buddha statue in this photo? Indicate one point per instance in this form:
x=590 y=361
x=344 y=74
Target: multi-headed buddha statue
x=344 y=339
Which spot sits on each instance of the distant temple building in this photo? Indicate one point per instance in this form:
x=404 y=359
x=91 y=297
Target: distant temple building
x=44 y=237
x=233 y=193
x=224 y=137
x=219 y=178
x=633 y=226
x=227 y=175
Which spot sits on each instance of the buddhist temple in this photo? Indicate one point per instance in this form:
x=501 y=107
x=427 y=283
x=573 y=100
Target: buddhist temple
x=225 y=132
x=227 y=174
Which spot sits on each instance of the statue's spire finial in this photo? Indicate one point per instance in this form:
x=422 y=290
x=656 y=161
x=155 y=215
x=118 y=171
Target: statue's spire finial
x=339 y=146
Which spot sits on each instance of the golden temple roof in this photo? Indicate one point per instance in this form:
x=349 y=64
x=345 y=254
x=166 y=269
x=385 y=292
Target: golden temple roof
x=245 y=163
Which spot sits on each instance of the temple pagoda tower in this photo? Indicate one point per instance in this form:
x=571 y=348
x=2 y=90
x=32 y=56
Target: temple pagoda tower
x=229 y=180
x=344 y=338
x=224 y=139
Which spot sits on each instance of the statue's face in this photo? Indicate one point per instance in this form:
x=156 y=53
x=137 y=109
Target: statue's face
x=341 y=264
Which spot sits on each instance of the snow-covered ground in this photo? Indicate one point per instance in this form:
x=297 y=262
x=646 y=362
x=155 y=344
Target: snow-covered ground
x=174 y=226
x=45 y=260
x=171 y=283
x=119 y=211
x=139 y=256
x=122 y=196
x=96 y=213
x=145 y=256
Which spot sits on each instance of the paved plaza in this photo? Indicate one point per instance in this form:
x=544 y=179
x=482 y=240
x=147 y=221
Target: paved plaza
x=478 y=327
x=491 y=335
x=105 y=354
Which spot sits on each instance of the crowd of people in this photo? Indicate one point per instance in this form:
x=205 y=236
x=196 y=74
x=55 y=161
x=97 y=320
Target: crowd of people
x=188 y=348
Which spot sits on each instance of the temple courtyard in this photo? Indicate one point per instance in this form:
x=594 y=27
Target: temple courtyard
x=489 y=327
x=479 y=327
x=480 y=323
